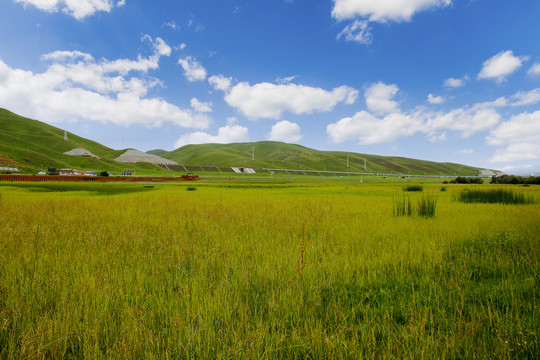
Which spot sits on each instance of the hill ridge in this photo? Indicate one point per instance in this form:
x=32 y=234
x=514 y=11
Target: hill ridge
x=34 y=146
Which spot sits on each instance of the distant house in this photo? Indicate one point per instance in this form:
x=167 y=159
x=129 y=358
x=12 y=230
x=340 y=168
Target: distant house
x=65 y=172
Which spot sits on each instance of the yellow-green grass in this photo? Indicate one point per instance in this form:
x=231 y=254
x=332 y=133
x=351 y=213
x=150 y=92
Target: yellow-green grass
x=264 y=270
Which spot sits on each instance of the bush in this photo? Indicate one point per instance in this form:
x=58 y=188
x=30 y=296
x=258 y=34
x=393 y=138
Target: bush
x=514 y=180
x=104 y=173
x=443 y=188
x=467 y=180
x=500 y=196
x=191 y=188
x=413 y=188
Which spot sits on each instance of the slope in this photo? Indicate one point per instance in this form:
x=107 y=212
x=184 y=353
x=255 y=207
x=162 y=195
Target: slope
x=32 y=145
x=277 y=155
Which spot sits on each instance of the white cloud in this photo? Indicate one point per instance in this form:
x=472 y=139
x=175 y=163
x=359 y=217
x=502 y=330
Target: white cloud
x=379 y=98
x=464 y=120
x=520 y=135
x=383 y=10
x=534 y=70
x=522 y=128
x=201 y=106
x=455 y=83
x=226 y=134
x=522 y=98
x=285 y=131
x=466 y=151
x=267 y=100
x=121 y=3
x=172 y=25
x=79 y=9
x=75 y=86
x=286 y=80
x=359 y=31
x=369 y=129
x=220 y=82
x=435 y=99
x=517 y=152
x=193 y=70
x=501 y=65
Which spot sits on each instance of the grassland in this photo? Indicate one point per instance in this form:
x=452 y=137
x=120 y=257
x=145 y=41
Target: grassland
x=263 y=270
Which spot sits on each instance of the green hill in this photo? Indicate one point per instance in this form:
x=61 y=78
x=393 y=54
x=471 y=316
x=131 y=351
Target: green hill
x=277 y=155
x=31 y=146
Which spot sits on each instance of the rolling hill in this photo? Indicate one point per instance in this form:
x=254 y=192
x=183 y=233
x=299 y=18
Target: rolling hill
x=31 y=146
x=277 y=155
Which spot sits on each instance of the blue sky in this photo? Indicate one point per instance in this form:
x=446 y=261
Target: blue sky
x=442 y=80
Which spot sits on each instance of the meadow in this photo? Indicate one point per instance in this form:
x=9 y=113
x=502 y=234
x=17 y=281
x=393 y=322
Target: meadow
x=270 y=269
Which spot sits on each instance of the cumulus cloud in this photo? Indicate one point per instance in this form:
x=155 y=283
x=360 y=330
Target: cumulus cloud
x=359 y=31
x=201 y=106
x=379 y=98
x=226 y=134
x=285 y=131
x=501 y=65
x=383 y=10
x=193 y=70
x=385 y=122
x=76 y=86
x=432 y=99
x=534 y=70
x=267 y=100
x=78 y=9
x=522 y=128
x=220 y=82
x=455 y=83
x=369 y=129
x=517 y=152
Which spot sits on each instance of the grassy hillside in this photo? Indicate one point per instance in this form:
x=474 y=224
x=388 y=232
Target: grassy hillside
x=271 y=154
x=32 y=145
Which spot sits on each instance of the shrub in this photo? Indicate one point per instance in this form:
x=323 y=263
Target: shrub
x=443 y=188
x=413 y=188
x=191 y=188
x=104 y=173
x=500 y=196
x=465 y=180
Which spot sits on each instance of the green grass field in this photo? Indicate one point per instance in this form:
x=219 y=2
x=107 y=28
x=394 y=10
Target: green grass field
x=275 y=268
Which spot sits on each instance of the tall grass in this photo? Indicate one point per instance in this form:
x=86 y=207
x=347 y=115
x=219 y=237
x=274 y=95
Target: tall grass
x=282 y=272
x=492 y=196
x=425 y=206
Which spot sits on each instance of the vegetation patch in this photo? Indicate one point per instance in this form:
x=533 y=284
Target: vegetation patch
x=424 y=206
x=494 y=196
x=413 y=188
x=95 y=189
